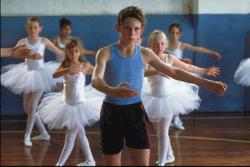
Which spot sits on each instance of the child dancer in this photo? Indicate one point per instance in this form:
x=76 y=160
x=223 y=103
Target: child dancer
x=32 y=78
x=65 y=34
x=166 y=96
x=74 y=108
x=242 y=74
x=176 y=48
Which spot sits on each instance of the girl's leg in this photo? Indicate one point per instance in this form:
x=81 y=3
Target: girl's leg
x=44 y=134
x=85 y=148
x=68 y=145
x=28 y=107
x=164 y=145
x=177 y=123
x=31 y=101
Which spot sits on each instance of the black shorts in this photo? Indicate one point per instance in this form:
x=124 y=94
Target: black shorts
x=123 y=123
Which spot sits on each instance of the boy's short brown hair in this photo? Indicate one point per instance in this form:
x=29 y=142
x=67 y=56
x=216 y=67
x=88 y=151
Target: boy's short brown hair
x=131 y=11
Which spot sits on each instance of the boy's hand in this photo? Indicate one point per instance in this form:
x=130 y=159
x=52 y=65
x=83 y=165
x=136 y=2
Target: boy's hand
x=122 y=92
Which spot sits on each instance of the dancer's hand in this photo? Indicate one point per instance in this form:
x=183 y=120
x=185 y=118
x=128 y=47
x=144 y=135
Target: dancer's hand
x=21 y=52
x=122 y=92
x=213 y=71
x=84 y=67
x=217 y=56
x=218 y=87
x=35 y=56
x=75 y=68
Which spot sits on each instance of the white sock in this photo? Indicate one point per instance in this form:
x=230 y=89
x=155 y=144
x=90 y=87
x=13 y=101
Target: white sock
x=68 y=145
x=163 y=138
x=85 y=144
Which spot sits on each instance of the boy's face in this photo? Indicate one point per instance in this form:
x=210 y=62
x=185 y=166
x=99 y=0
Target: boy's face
x=33 y=28
x=130 y=30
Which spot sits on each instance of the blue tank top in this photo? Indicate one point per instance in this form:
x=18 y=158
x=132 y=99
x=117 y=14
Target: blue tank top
x=124 y=69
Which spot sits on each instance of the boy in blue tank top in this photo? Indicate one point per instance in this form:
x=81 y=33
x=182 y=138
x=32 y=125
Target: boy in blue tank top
x=119 y=73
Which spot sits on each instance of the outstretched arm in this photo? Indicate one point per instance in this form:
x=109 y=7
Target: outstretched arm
x=178 y=74
x=88 y=52
x=149 y=71
x=98 y=80
x=20 y=52
x=74 y=68
x=53 y=48
x=202 y=50
x=212 y=71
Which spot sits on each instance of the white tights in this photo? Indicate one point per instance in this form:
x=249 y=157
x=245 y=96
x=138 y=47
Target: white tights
x=70 y=137
x=30 y=102
x=164 y=144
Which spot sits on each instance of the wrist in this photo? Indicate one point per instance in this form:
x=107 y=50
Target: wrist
x=111 y=91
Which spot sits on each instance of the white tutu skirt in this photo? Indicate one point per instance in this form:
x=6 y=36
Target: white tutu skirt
x=53 y=65
x=242 y=74
x=57 y=114
x=20 y=80
x=176 y=97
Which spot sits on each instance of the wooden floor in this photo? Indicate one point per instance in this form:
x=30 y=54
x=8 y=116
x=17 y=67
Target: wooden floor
x=222 y=139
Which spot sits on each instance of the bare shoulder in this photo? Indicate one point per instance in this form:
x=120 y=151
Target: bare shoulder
x=21 y=42
x=54 y=40
x=45 y=40
x=147 y=54
x=104 y=53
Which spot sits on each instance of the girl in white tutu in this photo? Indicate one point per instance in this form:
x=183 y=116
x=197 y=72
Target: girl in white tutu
x=165 y=96
x=176 y=48
x=242 y=73
x=32 y=78
x=60 y=40
x=76 y=106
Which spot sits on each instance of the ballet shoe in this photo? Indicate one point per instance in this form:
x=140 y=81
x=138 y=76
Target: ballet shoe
x=90 y=162
x=170 y=158
x=58 y=164
x=41 y=137
x=27 y=141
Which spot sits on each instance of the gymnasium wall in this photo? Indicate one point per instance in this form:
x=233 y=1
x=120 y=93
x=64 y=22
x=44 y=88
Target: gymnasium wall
x=223 y=27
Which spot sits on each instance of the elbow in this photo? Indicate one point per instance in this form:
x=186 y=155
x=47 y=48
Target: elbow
x=94 y=82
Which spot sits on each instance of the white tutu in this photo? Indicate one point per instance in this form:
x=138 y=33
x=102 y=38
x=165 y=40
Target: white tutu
x=174 y=97
x=53 y=65
x=57 y=114
x=20 y=80
x=242 y=74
